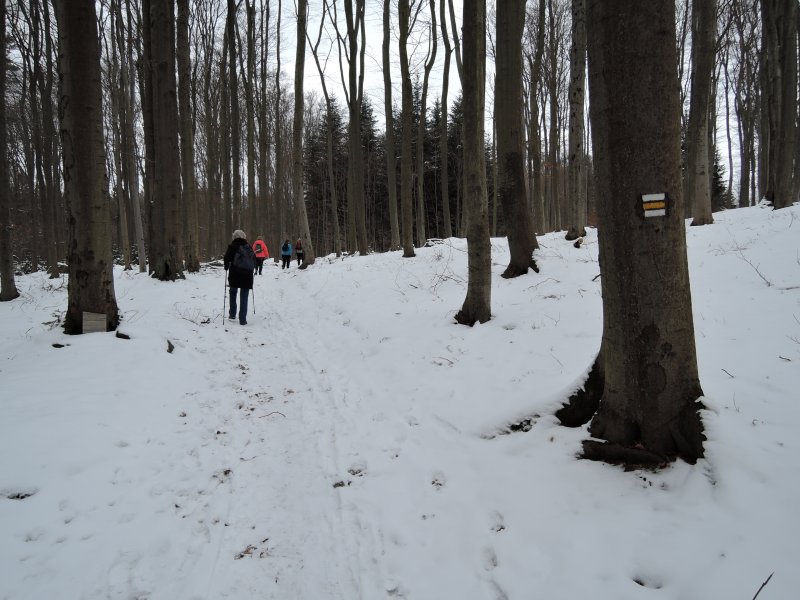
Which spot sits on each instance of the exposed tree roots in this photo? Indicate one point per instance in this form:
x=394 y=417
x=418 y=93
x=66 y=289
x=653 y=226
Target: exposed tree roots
x=583 y=404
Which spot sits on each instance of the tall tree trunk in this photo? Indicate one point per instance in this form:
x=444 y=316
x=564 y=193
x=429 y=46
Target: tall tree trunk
x=251 y=221
x=537 y=192
x=264 y=211
x=233 y=95
x=166 y=247
x=433 y=35
x=648 y=411
x=191 y=230
x=297 y=134
x=576 y=202
x=554 y=220
x=779 y=49
x=444 y=151
x=510 y=159
x=697 y=183
x=118 y=122
x=279 y=201
x=91 y=276
x=355 y=164
x=8 y=287
x=477 y=304
x=406 y=181
x=129 y=95
x=391 y=151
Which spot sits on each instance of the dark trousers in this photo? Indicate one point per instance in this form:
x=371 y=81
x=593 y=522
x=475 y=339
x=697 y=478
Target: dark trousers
x=287 y=260
x=243 y=294
x=259 y=265
x=299 y=258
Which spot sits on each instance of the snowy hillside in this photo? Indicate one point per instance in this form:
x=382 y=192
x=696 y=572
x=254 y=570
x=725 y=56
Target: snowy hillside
x=352 y=442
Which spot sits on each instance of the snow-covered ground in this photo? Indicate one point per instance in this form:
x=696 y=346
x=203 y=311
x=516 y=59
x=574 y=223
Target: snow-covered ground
x=351 y=441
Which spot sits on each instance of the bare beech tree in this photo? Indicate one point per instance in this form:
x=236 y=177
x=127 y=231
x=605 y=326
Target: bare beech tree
x=697 y=180
x=477 y=304
x=535 y=138
x=391 y=150
x=8 y=287
x=406 y=183
x=297 y=132
x=576 y=202
x=165 y=246
x=423 y=100
x=444 y=150
x=779 y=54
x=91 y=278
x=191 y=225
x=511 y=189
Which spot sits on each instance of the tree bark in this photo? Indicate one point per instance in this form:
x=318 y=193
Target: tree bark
x=91 y=277
x=552 y=210
x=129 y=136
x=355 y=164
x=537 y=191
x=421 y=126
x=779 y=52
x=697 y=184
x=406 y=182
x=651 y=392
x=511 y=188
x=391 y=150
x=191 y=230
x=250 y=82
x=235 y=123
x=166 y=248
x=477 y=304
x=444 y=151
x=297 y=134
x=8 y=287
x=576 y=202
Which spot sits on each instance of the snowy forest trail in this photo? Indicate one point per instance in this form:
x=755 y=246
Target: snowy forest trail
x=285 y=524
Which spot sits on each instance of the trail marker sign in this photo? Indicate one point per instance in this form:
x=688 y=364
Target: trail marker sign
x=654 y=205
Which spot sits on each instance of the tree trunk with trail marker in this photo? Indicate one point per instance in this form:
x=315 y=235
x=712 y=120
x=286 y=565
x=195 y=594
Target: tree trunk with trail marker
x=645 y=376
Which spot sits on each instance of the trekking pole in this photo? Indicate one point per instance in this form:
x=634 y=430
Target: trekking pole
x=254 y=299
x=224 y=297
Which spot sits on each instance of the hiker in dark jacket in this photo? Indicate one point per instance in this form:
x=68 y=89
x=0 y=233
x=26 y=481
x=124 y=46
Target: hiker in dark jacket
x=239 y=280
x=298 y=251
x=286 y=254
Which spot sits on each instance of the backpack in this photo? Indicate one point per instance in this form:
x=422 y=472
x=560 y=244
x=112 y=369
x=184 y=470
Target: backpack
x=285 y=247
x=244 y=261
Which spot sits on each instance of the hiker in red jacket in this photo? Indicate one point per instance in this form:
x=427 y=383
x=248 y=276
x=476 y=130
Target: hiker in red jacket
x=260 y=248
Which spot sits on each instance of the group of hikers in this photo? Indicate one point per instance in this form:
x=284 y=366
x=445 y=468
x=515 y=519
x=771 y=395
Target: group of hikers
x=243 y=261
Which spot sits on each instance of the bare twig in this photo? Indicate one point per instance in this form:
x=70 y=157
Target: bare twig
x=274 y=412
x=728 y=374
x=763 y=584
x=755 y=268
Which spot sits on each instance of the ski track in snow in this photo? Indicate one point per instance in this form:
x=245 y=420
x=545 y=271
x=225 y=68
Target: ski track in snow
x=287 y=551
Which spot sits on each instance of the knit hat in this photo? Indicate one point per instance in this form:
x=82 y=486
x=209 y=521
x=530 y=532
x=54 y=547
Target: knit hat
x=239 y=234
